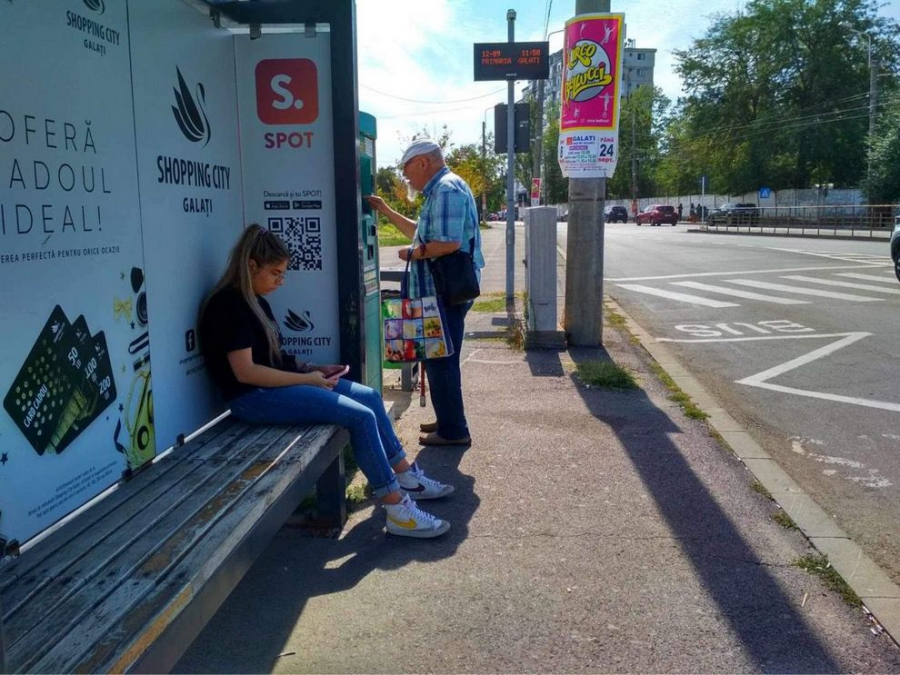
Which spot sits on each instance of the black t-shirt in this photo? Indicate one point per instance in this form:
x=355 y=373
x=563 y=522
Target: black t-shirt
x=228 y=325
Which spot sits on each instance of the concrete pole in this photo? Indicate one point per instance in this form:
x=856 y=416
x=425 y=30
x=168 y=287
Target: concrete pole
x=583 y=313
x=511 y=173
x=538 y=158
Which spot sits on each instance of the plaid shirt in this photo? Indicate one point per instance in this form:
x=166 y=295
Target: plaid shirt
x=449 y=214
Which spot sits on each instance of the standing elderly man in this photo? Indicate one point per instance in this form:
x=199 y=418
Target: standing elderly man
x=447 y=221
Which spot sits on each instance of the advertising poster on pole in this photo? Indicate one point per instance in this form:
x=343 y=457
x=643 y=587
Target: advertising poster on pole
x=190 y=195
x=535 y=191
x=589 y=109
x=284 y=90
x=76 y=411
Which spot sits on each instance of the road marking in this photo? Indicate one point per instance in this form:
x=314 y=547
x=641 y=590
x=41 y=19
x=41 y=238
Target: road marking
x=843 y=284
x=752 y=338
x=740 y=294
x=846 y=257
x=802 y=291
x=869 y=277
x=681 y=297
x=827 y=268
x=761 y=380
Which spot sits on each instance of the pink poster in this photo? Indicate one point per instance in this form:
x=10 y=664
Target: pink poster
x=592 y=65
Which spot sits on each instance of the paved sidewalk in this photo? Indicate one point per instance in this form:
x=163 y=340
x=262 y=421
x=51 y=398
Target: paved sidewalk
x=593 y=531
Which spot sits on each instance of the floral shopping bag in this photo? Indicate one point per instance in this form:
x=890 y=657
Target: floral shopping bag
x=414 y=330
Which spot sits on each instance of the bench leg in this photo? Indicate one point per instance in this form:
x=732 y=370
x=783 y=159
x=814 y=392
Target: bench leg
x=331 y=493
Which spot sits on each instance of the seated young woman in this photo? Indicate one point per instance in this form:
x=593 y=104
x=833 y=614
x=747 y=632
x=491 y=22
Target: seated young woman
x=241 y=343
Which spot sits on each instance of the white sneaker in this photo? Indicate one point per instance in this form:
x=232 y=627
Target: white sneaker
x=419 y=486
x=407 y=520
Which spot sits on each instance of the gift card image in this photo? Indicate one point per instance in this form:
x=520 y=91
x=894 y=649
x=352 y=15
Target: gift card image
x=393 y=350
x=392 y=309
x=40 y=400
x=433 y=327
x=412 y=309
x=430 y=307
x=435 y=349
x=413 y=350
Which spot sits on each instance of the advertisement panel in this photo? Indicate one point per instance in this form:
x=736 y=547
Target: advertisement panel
x=76 y=390
x=190 y=183
x=284 y=90
x=589 y=109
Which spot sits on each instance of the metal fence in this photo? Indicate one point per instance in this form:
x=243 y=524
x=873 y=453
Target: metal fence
x=874 y=221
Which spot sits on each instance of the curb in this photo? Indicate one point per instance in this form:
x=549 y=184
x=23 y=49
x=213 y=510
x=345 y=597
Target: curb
x=878 y=593
x=792 y=235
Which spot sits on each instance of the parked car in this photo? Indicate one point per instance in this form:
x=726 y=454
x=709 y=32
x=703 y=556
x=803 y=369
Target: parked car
x=657 y=214
x=615 y=214
x=734 y=214
x=895 y=246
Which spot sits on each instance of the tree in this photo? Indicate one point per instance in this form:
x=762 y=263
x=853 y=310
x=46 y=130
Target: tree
x=645 y=111
x=556 y=186
x=778 y=94
x=884 y=183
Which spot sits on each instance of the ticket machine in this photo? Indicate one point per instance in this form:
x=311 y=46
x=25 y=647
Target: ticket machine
x=369 y=243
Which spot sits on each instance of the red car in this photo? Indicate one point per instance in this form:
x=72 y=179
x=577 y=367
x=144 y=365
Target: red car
x=657 y=214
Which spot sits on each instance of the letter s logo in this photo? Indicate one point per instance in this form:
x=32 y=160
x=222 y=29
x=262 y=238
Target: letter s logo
x=287 y=91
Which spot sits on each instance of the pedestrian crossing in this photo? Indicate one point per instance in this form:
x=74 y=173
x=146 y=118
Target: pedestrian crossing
x=838 y=286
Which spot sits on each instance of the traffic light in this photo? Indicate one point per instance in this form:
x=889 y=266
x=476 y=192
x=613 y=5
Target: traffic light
x=522 y=113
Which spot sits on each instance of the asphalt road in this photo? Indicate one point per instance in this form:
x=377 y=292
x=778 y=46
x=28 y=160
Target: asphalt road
x=798 y=339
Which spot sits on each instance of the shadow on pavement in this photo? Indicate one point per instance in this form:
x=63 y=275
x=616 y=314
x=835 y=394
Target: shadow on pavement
x=249 y=632
x=775 y=636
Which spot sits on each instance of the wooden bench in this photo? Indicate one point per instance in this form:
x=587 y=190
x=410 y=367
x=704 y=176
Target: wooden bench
x=129 y=583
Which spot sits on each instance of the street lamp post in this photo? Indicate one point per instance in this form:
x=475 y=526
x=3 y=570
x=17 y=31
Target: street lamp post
x=873 y=90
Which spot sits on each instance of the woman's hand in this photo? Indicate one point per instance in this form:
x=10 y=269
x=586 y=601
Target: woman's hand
x=318 y=379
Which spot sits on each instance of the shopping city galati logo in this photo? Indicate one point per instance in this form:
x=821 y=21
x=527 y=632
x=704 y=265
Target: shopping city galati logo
x=301 y=323
x=95 y=6
x=190 y=112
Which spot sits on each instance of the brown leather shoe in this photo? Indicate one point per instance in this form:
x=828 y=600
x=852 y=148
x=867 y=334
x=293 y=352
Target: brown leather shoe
x=434 y=439
x=428 y=427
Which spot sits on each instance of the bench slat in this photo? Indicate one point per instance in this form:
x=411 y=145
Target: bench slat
x=125 y=624
x=141 y=549
x=129 y=516
x=17 y=569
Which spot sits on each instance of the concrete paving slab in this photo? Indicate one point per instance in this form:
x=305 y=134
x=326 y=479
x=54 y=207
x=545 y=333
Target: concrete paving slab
x=743 y=445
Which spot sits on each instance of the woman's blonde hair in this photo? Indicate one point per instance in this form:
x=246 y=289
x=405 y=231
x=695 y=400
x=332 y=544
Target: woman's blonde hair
x=264 y=248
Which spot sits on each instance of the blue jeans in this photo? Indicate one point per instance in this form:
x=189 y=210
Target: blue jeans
x=445 y=379
x=351 y=405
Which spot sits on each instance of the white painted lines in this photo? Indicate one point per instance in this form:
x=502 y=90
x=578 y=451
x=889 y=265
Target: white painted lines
x=844 y=284
x=870 y=277
x=681 y=297
x=696 y=275
x=740 y=294
x=753 y=283
x=761 y=380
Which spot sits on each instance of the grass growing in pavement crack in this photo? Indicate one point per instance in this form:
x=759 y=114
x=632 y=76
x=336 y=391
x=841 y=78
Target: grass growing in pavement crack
x=606 y=374
x=782 y=518
x=687 y=405
x=816 y=563
x=756 y=486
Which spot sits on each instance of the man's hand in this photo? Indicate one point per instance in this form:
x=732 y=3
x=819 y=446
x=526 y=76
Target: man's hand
x=404 y=253
x=377 y=203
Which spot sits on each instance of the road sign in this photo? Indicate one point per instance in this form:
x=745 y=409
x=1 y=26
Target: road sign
x=765 y=192
x=516 y=60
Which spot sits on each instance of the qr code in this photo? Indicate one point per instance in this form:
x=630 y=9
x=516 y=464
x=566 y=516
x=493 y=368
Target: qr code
x=304 y=237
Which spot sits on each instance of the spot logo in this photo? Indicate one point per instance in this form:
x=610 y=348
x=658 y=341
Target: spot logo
x=287 y=91
x=190 y=112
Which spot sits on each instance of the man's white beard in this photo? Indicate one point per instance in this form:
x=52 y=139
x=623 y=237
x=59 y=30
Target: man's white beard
x=411 y=193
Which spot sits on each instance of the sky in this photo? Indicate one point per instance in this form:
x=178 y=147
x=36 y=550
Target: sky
x=415 y=56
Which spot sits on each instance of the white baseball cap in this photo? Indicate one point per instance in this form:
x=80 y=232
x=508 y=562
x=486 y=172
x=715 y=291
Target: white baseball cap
x=420 y=147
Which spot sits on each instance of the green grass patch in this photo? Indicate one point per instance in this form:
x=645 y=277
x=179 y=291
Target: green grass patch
x=756 y=486
x=389 y=235
x=485 y=226
x=783 y=519
x=817 y=564
x=492 y=305
x=616 y=320
x=606 y=374
x=676 y=394
x=358 y=494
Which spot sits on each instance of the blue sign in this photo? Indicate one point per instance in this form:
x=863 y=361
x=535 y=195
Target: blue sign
x=765 y=193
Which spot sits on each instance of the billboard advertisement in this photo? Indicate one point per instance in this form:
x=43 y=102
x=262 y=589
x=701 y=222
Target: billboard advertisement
x=190 y=194
x=589 y=106
x=77 y=409
x=284 y=93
